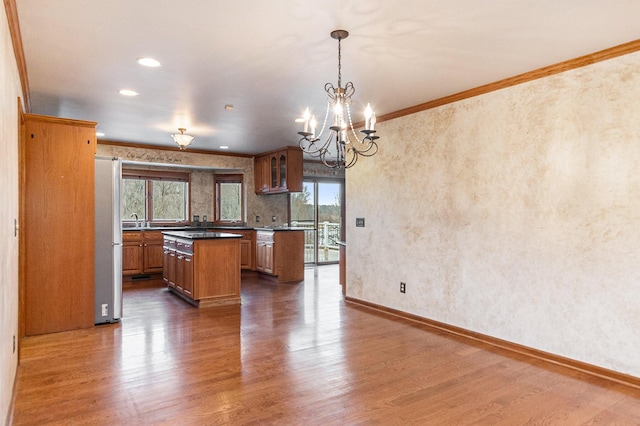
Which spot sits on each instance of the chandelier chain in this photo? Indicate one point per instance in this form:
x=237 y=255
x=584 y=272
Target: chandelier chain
x=339 y=62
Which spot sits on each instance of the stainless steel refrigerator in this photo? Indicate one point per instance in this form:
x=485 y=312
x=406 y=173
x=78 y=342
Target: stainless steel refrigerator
x=108 y=244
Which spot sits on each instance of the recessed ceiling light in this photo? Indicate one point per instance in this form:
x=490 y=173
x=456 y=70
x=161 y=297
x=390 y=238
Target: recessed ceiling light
x=99 y=134
x=127 y=92
x=224 y=147
x=228 y=107
x=148 y=62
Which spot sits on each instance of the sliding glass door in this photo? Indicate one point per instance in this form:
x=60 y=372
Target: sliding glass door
x=319 y=208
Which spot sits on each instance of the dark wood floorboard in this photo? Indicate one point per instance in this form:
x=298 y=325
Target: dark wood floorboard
x=294 y=354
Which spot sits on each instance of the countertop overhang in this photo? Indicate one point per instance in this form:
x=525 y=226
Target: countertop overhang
x=200 y=235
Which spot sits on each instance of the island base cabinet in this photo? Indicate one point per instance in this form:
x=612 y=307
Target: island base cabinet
x=203 y=272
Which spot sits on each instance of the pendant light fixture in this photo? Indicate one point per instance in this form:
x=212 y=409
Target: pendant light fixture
x=182 y=139
x=341 y=147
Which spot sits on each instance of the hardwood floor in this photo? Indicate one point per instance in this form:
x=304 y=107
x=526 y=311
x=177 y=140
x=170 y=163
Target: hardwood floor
x=294 y=354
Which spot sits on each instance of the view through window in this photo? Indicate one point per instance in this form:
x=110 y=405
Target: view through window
x=319 y=209
x=157 y=197
x=229 y=200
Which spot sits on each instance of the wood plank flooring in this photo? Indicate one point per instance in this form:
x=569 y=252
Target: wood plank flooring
x=294 y=354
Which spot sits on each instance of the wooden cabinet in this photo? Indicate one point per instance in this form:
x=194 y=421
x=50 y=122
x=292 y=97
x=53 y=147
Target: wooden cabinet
x=278 y=171
x=261 y=174
x=264 y=252
x=184 y=267
x=142 y=252
x=204 y=272
x=169 y=262
x=132 y=253
x=280 y=253
x=152 y=252
x=57 y=223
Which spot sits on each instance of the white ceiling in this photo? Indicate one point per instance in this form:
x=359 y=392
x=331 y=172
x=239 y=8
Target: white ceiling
x=270 y=59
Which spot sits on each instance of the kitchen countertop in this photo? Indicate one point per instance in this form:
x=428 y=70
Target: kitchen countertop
x=204 y=228
x=290 y=228
x=200 y=235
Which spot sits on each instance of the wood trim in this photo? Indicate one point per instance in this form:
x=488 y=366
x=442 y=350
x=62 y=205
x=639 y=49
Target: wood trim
x=169 y=148
x=579 y=62
x=273 y=151
x=59 y=120
x=16 y=39
x=584 y=367
x=22 y=208
x=12 y=401
x=156 y=175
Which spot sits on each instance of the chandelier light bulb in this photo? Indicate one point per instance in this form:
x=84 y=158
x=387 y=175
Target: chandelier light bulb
x=367 y=117
x=305 y=117
x=313 y=125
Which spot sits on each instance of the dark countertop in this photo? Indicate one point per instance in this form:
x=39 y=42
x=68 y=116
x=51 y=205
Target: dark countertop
x=200 y=235
x=290 y=228
x=205 y=228
x=186 y=228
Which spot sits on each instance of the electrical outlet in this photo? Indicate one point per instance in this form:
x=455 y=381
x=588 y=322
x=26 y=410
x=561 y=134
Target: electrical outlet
x=403 y=287
x=273 y=218
x=105 y=309
x=257 y=218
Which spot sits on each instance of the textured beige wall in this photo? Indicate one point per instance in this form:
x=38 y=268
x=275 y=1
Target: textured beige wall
x=515 y=214
x=264 y=206
x=10 y=90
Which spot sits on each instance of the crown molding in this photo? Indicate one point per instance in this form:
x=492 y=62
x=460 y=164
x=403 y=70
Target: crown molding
x=579 y=62
x=16 y=38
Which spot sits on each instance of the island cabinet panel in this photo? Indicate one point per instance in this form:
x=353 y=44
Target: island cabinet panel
x=58 y=223
x=247 y=247
x=219 y=279
x=203 y=271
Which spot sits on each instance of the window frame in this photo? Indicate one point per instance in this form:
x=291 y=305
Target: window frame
x=158 y=175
x=228 y=178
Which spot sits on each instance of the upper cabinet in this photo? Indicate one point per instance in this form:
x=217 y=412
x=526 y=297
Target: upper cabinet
x=279 y=171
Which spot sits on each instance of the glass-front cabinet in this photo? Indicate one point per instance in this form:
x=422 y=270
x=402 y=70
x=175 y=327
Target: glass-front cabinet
x=278 y=171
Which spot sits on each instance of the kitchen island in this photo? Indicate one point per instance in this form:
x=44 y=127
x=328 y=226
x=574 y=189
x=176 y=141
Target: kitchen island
x=202 y=267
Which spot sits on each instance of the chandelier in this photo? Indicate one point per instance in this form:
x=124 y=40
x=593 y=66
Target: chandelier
x=181 y=139
x=342 y=146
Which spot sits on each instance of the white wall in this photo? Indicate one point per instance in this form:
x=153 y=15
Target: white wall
x=514 y=214
x=10 y=90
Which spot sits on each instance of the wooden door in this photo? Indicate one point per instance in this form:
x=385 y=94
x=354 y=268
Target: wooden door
x=59 y=224
x=152 y=252
x=132 y=258
x=169 y=269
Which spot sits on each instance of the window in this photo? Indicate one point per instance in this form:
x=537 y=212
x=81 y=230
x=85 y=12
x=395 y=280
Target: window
x=229 y=199
x=155 y=196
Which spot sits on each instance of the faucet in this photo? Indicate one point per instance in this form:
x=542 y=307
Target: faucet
x=137 y=221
